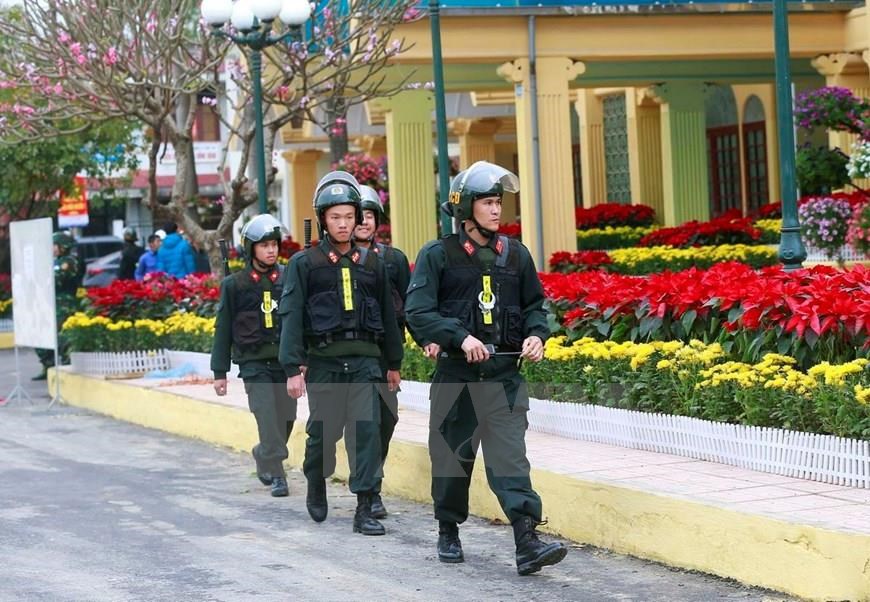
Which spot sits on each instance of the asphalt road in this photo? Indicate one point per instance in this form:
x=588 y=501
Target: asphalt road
x=95 y=509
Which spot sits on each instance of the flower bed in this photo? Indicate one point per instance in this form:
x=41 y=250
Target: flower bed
x=155 y=297
x=817 y=314
x=613 y=214
x=697 y=380
x=611 y=237
x=730 y=228
x=641 y=260
x=183 y=331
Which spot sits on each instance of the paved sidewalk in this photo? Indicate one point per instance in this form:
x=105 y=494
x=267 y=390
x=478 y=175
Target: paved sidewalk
x=785 y=498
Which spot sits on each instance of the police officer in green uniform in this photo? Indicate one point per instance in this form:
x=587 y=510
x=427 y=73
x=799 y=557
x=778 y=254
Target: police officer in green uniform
x=470 y=290
x=399 y=273
x=67 y=279
x=338 y=321
x=248 y=330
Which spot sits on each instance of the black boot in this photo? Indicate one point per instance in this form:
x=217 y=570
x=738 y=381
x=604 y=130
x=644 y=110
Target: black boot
x=264 y=476
x=378 y=509
x=449 y=546
x=279 y=487
x=316 y=500
x=363 y=521
x=532 y=553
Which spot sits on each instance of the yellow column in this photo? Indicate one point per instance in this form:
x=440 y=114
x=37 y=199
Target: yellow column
x=554 y=130
x=684 y=152
x=645 y=150
x=593 y=168
x=846 y=70
x=303 y=180
x=374 y=146
x=476 y=140
x=411 y=169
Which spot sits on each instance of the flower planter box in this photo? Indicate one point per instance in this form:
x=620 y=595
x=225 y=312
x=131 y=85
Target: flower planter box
x=125 y=364
x=823 y=458
x=134 y=364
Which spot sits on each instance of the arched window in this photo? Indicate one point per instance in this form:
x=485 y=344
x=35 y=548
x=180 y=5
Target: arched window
x=755 y=153
x=723 y=149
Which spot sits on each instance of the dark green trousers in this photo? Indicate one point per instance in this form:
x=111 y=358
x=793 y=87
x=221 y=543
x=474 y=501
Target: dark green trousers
x=274 y=411
x=389 y=419
x=465 y=415
x=344 y=402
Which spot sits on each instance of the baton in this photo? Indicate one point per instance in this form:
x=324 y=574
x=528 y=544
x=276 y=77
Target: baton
x=224 y=256
x=306 y=228
x=489 y=347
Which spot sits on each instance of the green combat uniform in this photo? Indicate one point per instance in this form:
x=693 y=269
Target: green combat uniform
x=67 y=279
x=491 y=292
x=399 y=273
x=338 y=320
x=247 y=329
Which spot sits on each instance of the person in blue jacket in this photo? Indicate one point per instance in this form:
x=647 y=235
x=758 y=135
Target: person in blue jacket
x=175 y=256
x=148 y=261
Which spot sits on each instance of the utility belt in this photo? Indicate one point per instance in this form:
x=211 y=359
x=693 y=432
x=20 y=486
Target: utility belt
x=324 y=340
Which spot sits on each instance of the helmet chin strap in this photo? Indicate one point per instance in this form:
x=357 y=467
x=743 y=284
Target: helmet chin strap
x=264 y=266
x=370 y=239
x=484 y=231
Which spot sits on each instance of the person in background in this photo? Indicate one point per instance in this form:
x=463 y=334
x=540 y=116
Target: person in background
x=175 y=256
x=399 y=273
x=148 y=260
x=247 y=331
x=67 y=279
x=130 y=254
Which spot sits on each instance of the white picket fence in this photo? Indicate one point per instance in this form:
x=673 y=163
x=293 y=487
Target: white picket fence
x=119 y=363
x=823 y=458
x=6 y=326
x=846 y=252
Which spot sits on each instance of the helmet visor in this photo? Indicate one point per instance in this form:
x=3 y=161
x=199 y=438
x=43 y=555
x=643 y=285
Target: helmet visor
x=264 y=227
x=483 y=177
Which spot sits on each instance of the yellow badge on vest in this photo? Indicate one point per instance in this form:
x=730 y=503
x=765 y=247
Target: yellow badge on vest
x=267 y=307
x=486 y=300
x=347 y=289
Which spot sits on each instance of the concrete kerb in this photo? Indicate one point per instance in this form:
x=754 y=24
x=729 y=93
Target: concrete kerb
x=7 y=340
x=802 y=560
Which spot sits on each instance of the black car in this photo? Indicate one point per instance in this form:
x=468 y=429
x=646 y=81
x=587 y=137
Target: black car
x=103 y=270
x=89 y=248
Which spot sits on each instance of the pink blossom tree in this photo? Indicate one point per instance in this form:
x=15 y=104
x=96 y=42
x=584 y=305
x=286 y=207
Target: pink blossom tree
x=152 y=62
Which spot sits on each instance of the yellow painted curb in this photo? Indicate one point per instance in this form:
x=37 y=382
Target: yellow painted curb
x=801 y=560
x=7 y=340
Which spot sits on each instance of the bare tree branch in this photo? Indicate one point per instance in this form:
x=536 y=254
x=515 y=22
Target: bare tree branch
x=80 y=62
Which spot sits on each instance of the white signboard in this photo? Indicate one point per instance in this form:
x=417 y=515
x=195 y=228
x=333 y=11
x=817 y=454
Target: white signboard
x=33 y=300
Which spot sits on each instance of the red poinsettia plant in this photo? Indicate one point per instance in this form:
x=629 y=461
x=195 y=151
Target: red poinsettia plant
x=817 y=314
x=155 y=297
x=729 y=228
x=613 y=214
x=580 y=261
x=514 y=230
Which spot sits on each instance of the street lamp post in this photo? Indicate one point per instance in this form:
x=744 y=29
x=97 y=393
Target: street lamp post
x=254 y=20
x=791 y=249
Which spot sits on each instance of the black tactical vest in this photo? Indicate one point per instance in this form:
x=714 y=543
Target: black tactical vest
x=342 y=302
x=462 y=282
x=388 y=254
x=251 y=328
